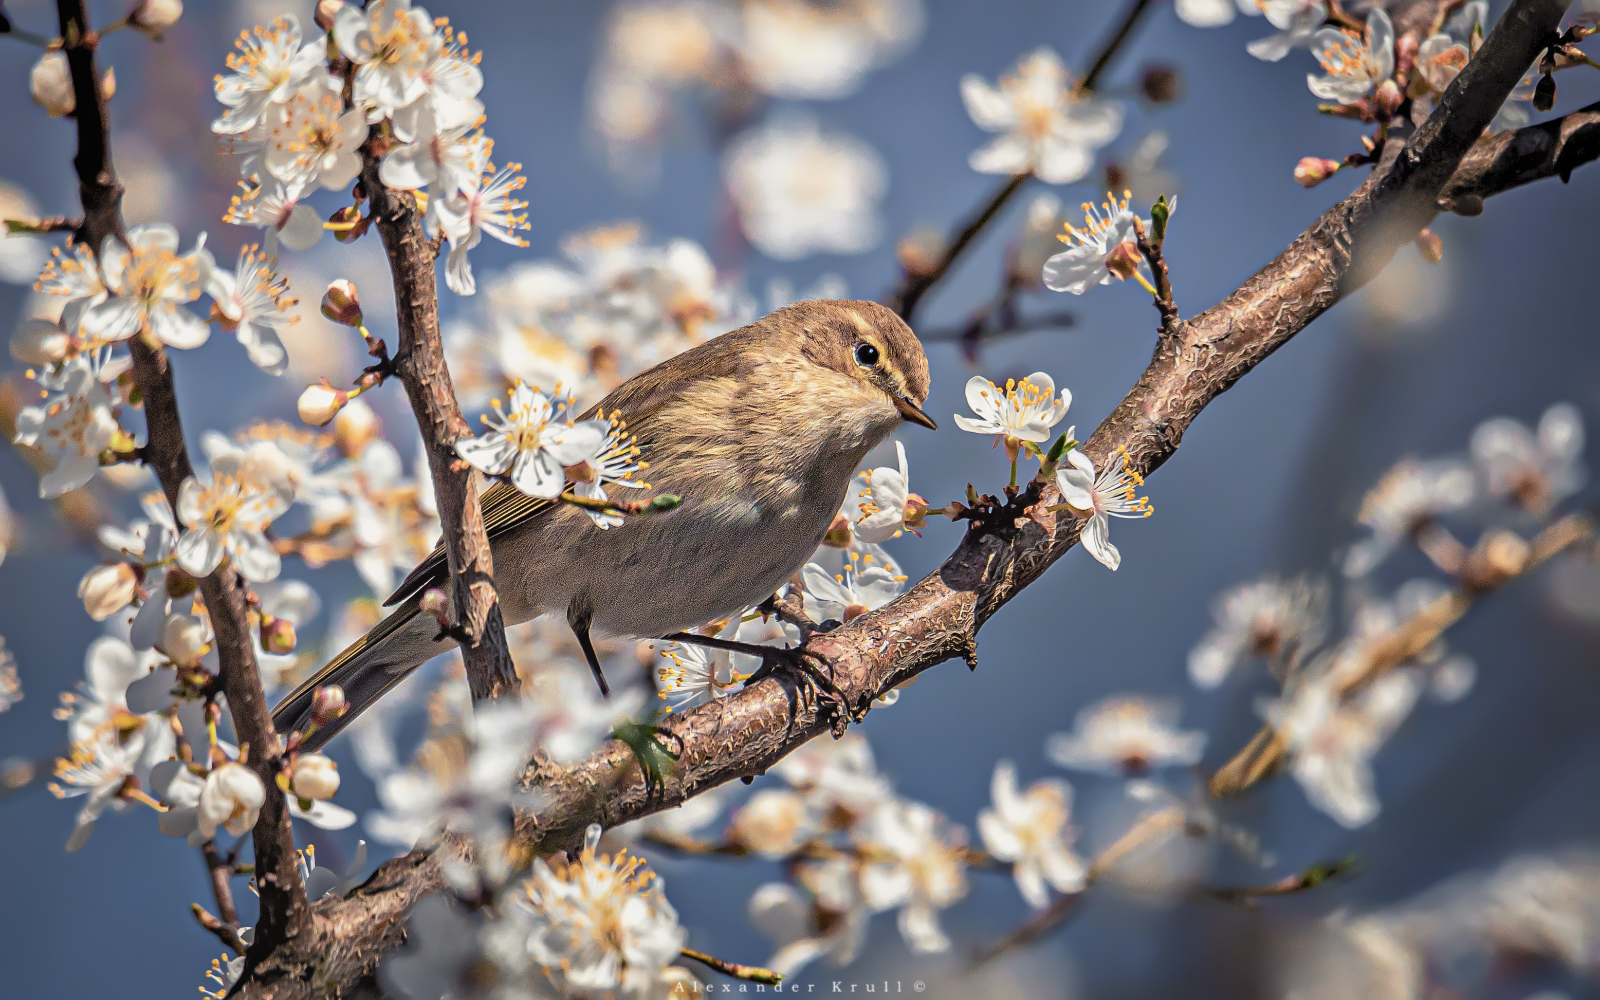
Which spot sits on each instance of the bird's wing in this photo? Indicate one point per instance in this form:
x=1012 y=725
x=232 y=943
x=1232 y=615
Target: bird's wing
x=638 y=399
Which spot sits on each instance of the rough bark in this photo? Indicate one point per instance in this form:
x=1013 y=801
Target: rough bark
x=420 y=364
x=939 y=617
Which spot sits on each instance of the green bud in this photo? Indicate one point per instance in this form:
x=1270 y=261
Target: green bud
x=1160 y=212
x=664 y=502
x=1325 y=871
x=972 y=496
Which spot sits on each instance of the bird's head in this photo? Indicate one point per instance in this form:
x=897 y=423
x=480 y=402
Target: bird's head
x=868 y=343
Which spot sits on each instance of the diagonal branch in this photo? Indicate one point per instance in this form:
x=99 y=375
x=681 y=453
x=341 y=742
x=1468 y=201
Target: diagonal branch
x=939 y=617
x=284 y=908
x=419 y=362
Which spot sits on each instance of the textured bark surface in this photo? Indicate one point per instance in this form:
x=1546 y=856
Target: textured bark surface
x=421 y=367
x=284 y=910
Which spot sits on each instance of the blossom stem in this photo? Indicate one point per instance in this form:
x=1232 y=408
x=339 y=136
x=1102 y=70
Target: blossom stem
x=34 y=39
x=1145 y=282
x=748 y=973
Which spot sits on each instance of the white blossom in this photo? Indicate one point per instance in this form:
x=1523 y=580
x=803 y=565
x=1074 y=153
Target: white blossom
x=253 y=300
x=1113 y=492
x=800 y=190
x=448 y=158
x=1105 y=248
x=277 y=210
x=1267 y=617
x=774 y=823
x=866 y=582
x=1023 y=411
x=1049 y=127
x=888 y=507
x=150 y=282
x=1535 y=468
x=390 y=44
x=232 y=799
x=1297 y=21
x=75 y=422
x=315 y=777
x=1031 y=831
x=310 y=139
x=268 y=68
x=531 y=444
x=484 y=205
x=1355 y=62
x=98 y=769
x=1409 y=497
x=451 y=79
x=228 y=518
x=916 y=864
x=1126 y=734
x=827 y=920
x=600 y=924
x=694 y=674
x=821 y=51
x=1331 y=741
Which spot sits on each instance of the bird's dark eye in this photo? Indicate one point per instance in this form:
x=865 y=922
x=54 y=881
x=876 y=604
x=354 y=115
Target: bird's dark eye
x=866 y=355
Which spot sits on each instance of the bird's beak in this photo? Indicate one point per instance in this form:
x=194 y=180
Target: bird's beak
x=912 y=412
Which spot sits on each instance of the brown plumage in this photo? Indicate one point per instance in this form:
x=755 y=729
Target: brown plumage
x=758 y=431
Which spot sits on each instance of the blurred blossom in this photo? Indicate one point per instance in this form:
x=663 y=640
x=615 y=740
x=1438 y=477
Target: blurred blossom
x=826 y=917
x=1032 y=831
x=1036 y=241
x=1269 y=618
x=811 y=50
x=1126 y=735
x=838 y=778
x=916 y=865
x=1297 y=21
x=1352 y=958
x=1048 y=127
x=1534 y=469
x=152 y=185
x=1408 y=498
x=76 y=420
x=800 y=190
x=774 y=823
x=1143 y=175
x=1409 y=292
x=1573 y=585
x=1374 y=624
x=10 y=683
x=1331 y=740
x=21 y=254
x=1212 y=13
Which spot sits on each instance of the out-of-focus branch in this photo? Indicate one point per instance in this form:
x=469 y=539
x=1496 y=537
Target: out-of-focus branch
x=284 y=909
x=1113 y=45
x=748 y=973
x=226 y=924
x=419 y=362
x=1497 y=561
x=939 y=617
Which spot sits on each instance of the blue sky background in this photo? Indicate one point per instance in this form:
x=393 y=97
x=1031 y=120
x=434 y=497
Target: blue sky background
x=1267 y=479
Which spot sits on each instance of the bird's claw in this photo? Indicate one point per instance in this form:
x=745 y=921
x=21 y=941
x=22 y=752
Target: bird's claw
x=810 y=665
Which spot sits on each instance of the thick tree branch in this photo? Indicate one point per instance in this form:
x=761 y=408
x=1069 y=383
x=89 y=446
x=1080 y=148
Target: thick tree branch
x=284 y=910
x=419 y=362
x=939 y=617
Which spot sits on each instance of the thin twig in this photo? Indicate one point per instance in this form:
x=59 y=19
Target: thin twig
x=916 y=286
x=1151 y=250
x=748 y=973
x=1113 y=45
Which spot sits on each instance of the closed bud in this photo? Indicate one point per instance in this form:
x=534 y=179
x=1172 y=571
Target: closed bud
x=277 y=635
x=1123 y=261
x=327 y=10
x=183 y=639
x=50 y=83
x=1405 y=54
x=40 y=342
x=1431 y=246
x=152 y=17
x=434 y=602
x=1160 y=85
x=232 y=799
x=108 y=589
x=341 y=304
x=327 y=704
x=315 y=777
x=1387 y=100
x=355 y=428
x=916 y=513
x=320 y=403
x=1313 y=170
x=1544 y=93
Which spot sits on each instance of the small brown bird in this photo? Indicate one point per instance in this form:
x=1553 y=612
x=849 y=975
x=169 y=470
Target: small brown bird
x=758 y=431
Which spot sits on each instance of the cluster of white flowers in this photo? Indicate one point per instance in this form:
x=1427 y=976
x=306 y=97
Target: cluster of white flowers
x=413 y=107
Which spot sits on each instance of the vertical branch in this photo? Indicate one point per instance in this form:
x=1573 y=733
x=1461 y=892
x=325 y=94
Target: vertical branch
x=284 y=910
x=419 y=361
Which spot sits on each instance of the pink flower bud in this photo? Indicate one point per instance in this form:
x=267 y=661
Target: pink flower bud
x=152 y=17
x=341 y=304
x=277 y=635
x=320 y=403
x=327 y=704
x=1387 y=100
x=108 y=589
x=1431 y=246
x=1313 y=170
